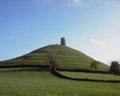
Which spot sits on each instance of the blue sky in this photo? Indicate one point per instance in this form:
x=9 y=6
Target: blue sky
x=91 y=26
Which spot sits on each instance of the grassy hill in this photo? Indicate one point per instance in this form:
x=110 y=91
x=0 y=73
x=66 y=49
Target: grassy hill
x=18 y=82
x=64 y=56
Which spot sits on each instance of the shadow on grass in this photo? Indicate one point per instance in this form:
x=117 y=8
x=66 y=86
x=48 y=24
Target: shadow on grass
x=59 y=75
x=23 y=69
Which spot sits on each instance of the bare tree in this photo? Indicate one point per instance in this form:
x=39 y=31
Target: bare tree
x=52 y=61
x=94 y=64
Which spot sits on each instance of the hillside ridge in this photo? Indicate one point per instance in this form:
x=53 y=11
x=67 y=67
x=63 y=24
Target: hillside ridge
x=65 y=56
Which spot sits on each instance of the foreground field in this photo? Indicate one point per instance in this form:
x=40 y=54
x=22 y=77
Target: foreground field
x=42 y=83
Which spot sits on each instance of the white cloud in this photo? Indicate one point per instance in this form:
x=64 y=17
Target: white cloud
x=104 y=51
x=80 y=2
x=91 y=0
x=76 y=2
x=97 y=43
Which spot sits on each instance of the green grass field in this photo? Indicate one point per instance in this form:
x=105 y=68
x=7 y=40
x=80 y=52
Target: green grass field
x=91 y=75
x=42 y=83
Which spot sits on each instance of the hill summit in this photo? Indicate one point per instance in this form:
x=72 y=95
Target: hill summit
x=64 y=56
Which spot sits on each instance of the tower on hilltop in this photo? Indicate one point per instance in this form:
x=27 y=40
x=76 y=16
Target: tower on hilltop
x=63 y=41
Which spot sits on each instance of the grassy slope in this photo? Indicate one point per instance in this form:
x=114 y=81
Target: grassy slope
x=91 y=75
x=36 y=83
x=65 y=56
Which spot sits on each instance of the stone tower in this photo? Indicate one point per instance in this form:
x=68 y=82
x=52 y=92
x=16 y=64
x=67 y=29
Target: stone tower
x=63 y=41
